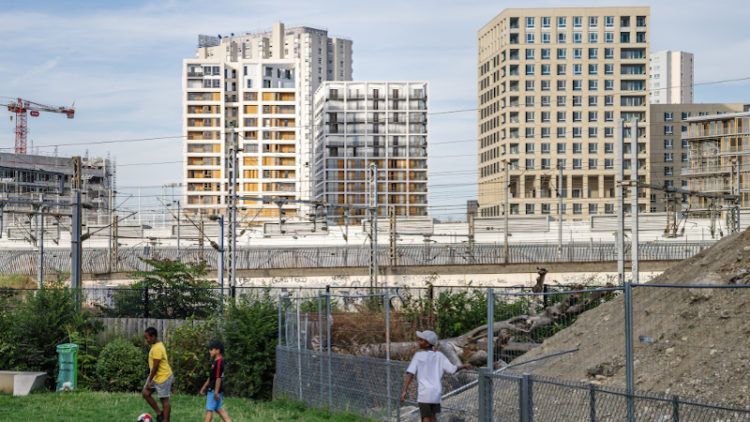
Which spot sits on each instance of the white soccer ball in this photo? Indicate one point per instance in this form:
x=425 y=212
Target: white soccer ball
x=146 y=417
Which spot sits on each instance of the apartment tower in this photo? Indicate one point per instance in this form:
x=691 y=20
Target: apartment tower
x=671 y=77
x=552 y=85
x=256 y=89
x=359 y=124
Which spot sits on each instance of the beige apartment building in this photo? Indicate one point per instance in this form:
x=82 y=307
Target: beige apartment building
x=718 y=149
x=359 y=124
x=552 y=85
x=671 y=77
x=670 y=158
x=256 y=88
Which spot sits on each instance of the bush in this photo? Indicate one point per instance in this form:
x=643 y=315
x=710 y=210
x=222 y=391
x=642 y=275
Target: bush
x=188 y=354
x=120 y=367
x=32 y=330
x=250 y=332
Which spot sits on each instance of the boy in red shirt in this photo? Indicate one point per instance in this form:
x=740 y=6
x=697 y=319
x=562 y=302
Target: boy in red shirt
x=215 y=383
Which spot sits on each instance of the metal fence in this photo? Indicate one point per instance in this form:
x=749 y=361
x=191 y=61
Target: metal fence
x=348 y=354
x=98 y=260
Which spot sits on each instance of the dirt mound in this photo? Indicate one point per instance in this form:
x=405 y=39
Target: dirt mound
x=691 y=342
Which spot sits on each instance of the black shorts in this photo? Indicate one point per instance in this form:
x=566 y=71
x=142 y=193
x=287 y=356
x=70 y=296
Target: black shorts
x=429 y=409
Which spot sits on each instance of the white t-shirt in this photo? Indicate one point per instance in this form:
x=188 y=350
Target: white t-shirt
x=429 y=367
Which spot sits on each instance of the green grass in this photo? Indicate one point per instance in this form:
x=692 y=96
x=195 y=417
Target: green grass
x=111 y=407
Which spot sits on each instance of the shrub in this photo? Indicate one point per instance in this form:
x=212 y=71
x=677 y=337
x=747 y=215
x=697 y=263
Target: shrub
x=33 y=329
x=188 y=354
x=120 y=367
x=250 y=333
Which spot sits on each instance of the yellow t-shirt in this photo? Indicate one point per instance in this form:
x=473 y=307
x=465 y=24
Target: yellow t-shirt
x=158 y=351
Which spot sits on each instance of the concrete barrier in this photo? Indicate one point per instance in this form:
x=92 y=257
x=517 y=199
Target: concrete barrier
x=21 y=383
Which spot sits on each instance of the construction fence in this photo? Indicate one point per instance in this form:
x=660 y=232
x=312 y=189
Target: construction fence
x=350 y=353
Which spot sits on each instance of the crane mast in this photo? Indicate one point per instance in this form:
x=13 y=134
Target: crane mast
x=22 y=108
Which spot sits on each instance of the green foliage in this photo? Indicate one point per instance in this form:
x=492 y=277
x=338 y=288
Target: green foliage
x=250 y=337
x=35 y=326
x=120 y=367
x=459 y=312
x=188 y=354
x=88 y=354
x=173 y=289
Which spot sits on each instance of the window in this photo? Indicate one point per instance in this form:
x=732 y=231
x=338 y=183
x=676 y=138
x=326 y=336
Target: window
x=577 y=38
x=609 y=163
x=668 y=157
x=529 y=22
x=545 y=132
x=545 y=116
x=609 y=37
x=609 y=53
x=577 y=69
x=577 y=132
x=609 y=100
x=562 y=53
x=529 y=85
x=593 y=53
x=609 y=21
x=561 y=37
x=593 y=37
x=593 y=86
x=593 y=21
x=529 y=69
x=624 y=21
x=545 y=101
x=640 y=37
x=530 y=116
x=609 y=68
x=514 y=148
x=593 y=148
x=577 y=164
x=561 y=85
x=545 y=148
x=545 y=38
x=593 y=209
x=577 y=21
x=609 y=85
x=593 y=100
x=577 y=148
x=609 y=132
x=561 y=21
x=609 y=148
x=529 y=163
x=529 y=101
x=529 y=132
x=593 y=163
x=529 y=148
x=685 y=115
x=684 y=143
x=668 y=116
x=684 y=157
x=529 y=54
x=624 y=37
x=529 y=208
x=545 y=209
x=545 y=69
x=561 y=69
x=545 y=85
x=577 y=53
x=561 y=148
x=593 y=69
x=609 y=116
x=561 y=162
x=545 y=53
x=668 y=130
x=593 y=132
x=577 y=116
x=640 y=21
x=577 y=85
x=545 y=22
x=577 y=100
x=668 y=171
x=593 y=116
x=545 y=164
x=560 y=116
x=560 y=132
x=529 y=38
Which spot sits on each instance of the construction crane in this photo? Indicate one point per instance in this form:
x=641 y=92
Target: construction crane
x=21 y=107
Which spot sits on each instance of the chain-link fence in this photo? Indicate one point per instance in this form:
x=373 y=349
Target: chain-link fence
x=350 y=352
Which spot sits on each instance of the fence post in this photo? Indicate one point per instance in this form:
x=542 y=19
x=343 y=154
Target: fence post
x=675 y=408
x=320 y=343
x=387 y=307
x=485 y=394
x=299 y=350
x=490 y=329
x=281 y=298
x=145 y=301
x=592 y=403
x=328 y=343
x=525 y=396
x=628 y=302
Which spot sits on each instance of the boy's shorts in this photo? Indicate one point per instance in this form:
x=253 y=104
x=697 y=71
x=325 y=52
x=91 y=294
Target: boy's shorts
x=163 y=390
x=213 y=405
x=429 y=409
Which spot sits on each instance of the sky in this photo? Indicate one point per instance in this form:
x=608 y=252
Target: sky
x=120 y=63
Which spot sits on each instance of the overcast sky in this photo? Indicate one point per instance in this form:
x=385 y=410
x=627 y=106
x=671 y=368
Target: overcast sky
x=120 y=63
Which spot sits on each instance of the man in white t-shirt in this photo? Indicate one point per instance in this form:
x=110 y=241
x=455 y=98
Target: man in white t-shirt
x=428 y=366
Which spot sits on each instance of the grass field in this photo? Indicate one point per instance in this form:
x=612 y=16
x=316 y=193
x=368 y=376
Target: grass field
x=115 y=407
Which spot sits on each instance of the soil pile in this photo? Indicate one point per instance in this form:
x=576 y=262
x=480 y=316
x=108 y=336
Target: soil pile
x=688 y=341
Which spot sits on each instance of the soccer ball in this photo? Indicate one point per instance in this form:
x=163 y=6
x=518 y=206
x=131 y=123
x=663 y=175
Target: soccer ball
x=146 y=417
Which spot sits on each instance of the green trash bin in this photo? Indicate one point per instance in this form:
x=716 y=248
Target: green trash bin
x=67 y=364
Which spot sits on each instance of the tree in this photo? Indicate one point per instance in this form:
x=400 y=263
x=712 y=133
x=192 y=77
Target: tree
x=170 y=289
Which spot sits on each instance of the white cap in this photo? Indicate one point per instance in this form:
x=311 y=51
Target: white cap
x=428 y=336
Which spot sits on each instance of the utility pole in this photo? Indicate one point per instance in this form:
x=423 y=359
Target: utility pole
x=40 y=237
x=559 y=212
x=220 y=266
x=232 y=205
x=373 y=209
x=620 y=203
x=200 y=239
x=634 y=199
x=392 y=236
x=75 y=229
x=115 y=253
x=179 y=210
x=506 y=246
x=472 y=238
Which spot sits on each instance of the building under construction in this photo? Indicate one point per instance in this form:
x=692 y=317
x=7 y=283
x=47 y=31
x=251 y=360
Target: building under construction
x=28 y=180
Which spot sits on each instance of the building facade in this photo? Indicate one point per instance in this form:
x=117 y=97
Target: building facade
x=264 y=89
x=359 y=124
x=718 y=155
x=552 y=86
x=671 y=77
x=669 y=148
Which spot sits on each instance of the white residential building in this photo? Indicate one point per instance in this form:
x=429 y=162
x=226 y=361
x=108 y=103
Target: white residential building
x=671 y=77
x=362 y=123
x=262 y=85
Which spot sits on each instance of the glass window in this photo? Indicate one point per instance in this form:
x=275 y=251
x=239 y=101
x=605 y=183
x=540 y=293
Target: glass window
x=545 y=53
x=609 y=37
x=609 y=21
x=624 y=37
x=545 y=164
x=593 y=148
x=593 y=116
x=561 y=37
x=640 y=21
x=545 y=69
x=561 y=148
x=529 y=207
x=545 y=85
x=529 y=69
x=529 y=22
x=529 y=148
x=668 y=157
x=577 y=69
x=529 y=132
x=668 y=116
x=577 y=85
x=561 y=85
x=609 y=100
x=640 y=37
x=609 y=53
x=593 y=69
x=545 y=21
x=577 y=99
x=609 y=116
x=609 y=132
x=529 y=53
x=593 y=53
x=577 y=21
x=593 y=209
x=593 y=37
x=561 y=132
x=609 y=69
x=577 y=53
x=530 y=38
x=577 y=38
x=529 y=101
x=577 y=133
x=562 y=53
x=609 y=164
x=624 y=21
x=545 y=38
x=529 y=85
x=545 y=116
x=609 y=148
x=593 y=163
x=593 y=85
x=530 y=116
x=593 y=132
x=685 y=115
x=545 y=148
x=560 y=116
x=577 y=164
x=545 y=132
x=561 y=21
x=577 y=147
x=577 y=116
x=593 y=21
x=529 y=163
x=561 y=69
x=609 y=85
x=593 y=100
x=545 y=100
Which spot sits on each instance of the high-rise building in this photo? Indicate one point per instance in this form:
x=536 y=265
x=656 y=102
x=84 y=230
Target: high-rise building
x=669 y=147
x=718 y=151
x=552 y=85
x=259 y=85
x=671 y=77
x=363 y=123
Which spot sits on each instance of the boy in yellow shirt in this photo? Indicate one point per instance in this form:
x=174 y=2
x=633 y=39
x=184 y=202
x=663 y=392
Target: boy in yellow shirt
x=160 y=376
